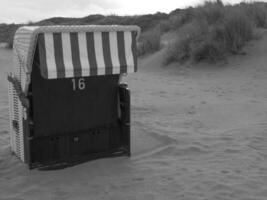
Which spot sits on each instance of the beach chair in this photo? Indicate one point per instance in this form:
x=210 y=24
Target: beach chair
x=67 y=103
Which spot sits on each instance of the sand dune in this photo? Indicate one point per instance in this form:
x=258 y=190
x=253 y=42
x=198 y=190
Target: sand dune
x=198 y=132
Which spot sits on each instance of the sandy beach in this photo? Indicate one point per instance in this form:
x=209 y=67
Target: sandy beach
x=199 y=132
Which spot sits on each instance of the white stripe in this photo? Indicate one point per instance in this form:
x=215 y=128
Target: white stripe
x=99 y=53
x=114 y=52
x=67 y=57
x=50 y=55
x=128 y=51
x=83 y=54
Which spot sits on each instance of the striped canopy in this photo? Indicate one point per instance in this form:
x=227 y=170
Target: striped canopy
x=77 y=51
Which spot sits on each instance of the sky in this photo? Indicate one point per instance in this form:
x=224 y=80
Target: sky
x=24 y=11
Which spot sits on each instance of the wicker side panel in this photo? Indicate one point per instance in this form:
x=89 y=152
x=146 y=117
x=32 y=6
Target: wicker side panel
x=11 y=117
x=16 y=123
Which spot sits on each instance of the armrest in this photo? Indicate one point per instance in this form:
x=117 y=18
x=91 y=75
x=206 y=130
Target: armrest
x=16 y=84
x=125 y=103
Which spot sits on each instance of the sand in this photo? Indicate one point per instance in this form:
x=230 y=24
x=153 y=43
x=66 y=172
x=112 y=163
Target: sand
x=199 y=132
x=3 y=44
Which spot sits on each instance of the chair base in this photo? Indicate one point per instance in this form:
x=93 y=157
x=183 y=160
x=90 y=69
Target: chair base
x=79 y=160
x=59 y=151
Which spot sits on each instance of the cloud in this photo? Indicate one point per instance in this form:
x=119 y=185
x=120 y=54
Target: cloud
x=25 y=10
x=49 y=5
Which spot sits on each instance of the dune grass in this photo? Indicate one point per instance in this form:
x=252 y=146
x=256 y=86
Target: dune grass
x=7 y=33
x=216 y=31
x=149 y=42
x=211 y=31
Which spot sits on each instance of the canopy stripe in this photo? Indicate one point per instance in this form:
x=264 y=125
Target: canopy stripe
x=64 y=55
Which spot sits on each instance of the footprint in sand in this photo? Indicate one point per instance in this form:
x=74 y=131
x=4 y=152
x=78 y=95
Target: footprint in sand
x=203 y=102
x=162 y=94
x=192 y=110
x=59 y=194
x=254 y=101
x=195 y=124
x=192 y=96
x=138 y=179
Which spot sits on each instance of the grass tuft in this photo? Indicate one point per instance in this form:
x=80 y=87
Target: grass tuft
x=216 y=32
x=149 y=42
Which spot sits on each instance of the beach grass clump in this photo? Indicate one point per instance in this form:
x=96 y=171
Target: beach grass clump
x=149 y=42
x=190 y=36
x=211 y=39
x=236 y=31
x=256 y=12
x=180 y=51
x=181 y=18
x=164 y=26
x=209 y=50
x=211 y=11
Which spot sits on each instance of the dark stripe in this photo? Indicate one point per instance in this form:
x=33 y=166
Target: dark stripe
x=42 y=56
x=121 y=52
x=59 y=55
x=134 y=50
x=75 y=52
x=106 y=53
x=91 y=53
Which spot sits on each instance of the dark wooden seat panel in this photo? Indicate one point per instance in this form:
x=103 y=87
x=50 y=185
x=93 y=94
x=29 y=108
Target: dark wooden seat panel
x=57 y=108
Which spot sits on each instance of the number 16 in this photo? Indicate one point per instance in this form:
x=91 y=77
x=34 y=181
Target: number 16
x=80 y=85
